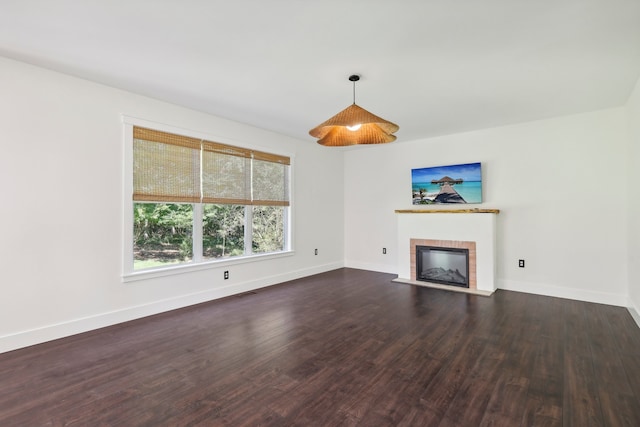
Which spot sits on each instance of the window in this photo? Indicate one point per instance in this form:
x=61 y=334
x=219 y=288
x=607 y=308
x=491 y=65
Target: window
x=198 y=201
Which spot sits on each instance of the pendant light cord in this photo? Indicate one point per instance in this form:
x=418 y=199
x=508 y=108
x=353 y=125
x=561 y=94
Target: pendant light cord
x=354 y=92
x=354 y=78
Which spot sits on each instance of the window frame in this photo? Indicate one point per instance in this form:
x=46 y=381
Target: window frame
x=198 y=262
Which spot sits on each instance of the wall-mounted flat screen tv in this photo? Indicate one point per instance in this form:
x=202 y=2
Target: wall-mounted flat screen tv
x=447 y=184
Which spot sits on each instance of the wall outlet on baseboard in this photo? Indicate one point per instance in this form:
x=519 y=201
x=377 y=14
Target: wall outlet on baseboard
x=315 y=252
x=226 y=274
x=384 y=251
x=521 y=263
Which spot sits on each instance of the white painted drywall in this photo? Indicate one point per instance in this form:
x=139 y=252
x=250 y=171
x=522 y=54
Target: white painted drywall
x=61 y=180
x=562 y=186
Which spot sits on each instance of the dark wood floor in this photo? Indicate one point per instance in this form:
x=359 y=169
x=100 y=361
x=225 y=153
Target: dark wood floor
x=348 y=347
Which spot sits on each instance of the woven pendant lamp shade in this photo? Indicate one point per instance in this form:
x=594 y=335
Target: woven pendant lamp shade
x=373 y=129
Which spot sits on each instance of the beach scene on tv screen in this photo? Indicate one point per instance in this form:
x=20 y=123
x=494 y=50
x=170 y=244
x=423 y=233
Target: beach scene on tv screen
x=447 y=184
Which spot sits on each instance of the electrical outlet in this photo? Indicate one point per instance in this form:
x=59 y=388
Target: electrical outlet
x=521 y=263
x=384 y=251
x=226 y=274
x=316 y=252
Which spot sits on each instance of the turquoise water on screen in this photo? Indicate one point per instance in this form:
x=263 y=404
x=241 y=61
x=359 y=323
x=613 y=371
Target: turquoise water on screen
x=470 y=191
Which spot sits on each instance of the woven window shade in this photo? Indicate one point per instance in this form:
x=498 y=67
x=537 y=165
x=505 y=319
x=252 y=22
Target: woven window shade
x=270 y=183
x=268 y=157
x=225 y=175
x=166 y=167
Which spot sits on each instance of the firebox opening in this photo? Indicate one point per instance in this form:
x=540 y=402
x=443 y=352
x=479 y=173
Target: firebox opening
x=447 y=266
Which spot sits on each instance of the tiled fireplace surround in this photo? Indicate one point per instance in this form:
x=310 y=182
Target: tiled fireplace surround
x=472 y=229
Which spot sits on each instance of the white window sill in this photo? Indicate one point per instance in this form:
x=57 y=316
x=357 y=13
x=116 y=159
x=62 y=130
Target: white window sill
x=153 y=273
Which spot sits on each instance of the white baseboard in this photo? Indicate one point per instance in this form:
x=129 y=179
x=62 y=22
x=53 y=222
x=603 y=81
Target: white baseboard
x=563 y=292
x=635 y=313
x=76 y=326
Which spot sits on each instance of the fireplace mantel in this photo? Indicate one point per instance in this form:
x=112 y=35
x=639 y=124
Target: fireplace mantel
x=447 y=211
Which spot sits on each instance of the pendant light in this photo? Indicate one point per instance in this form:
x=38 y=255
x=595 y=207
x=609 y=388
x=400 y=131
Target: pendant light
x=354 y=125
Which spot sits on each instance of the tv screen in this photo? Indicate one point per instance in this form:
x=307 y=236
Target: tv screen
x=447 y=184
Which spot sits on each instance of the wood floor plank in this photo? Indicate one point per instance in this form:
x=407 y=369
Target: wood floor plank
x=343 y=348
x=470 y=402
x=609 y=371
x=581 y=406
x=544 y=402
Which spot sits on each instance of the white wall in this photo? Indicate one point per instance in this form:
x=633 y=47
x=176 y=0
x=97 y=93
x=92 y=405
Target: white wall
x=633 y=109
x=61 y=180
x=561 y=185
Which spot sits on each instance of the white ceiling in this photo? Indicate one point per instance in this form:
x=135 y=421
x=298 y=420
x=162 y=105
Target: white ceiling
x=433 y=67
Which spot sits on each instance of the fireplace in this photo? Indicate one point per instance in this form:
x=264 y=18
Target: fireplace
x=461 y=229
x=447 y=266
x=450 y=246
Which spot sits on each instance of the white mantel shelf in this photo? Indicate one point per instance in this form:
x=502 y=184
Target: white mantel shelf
x=447 y=211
